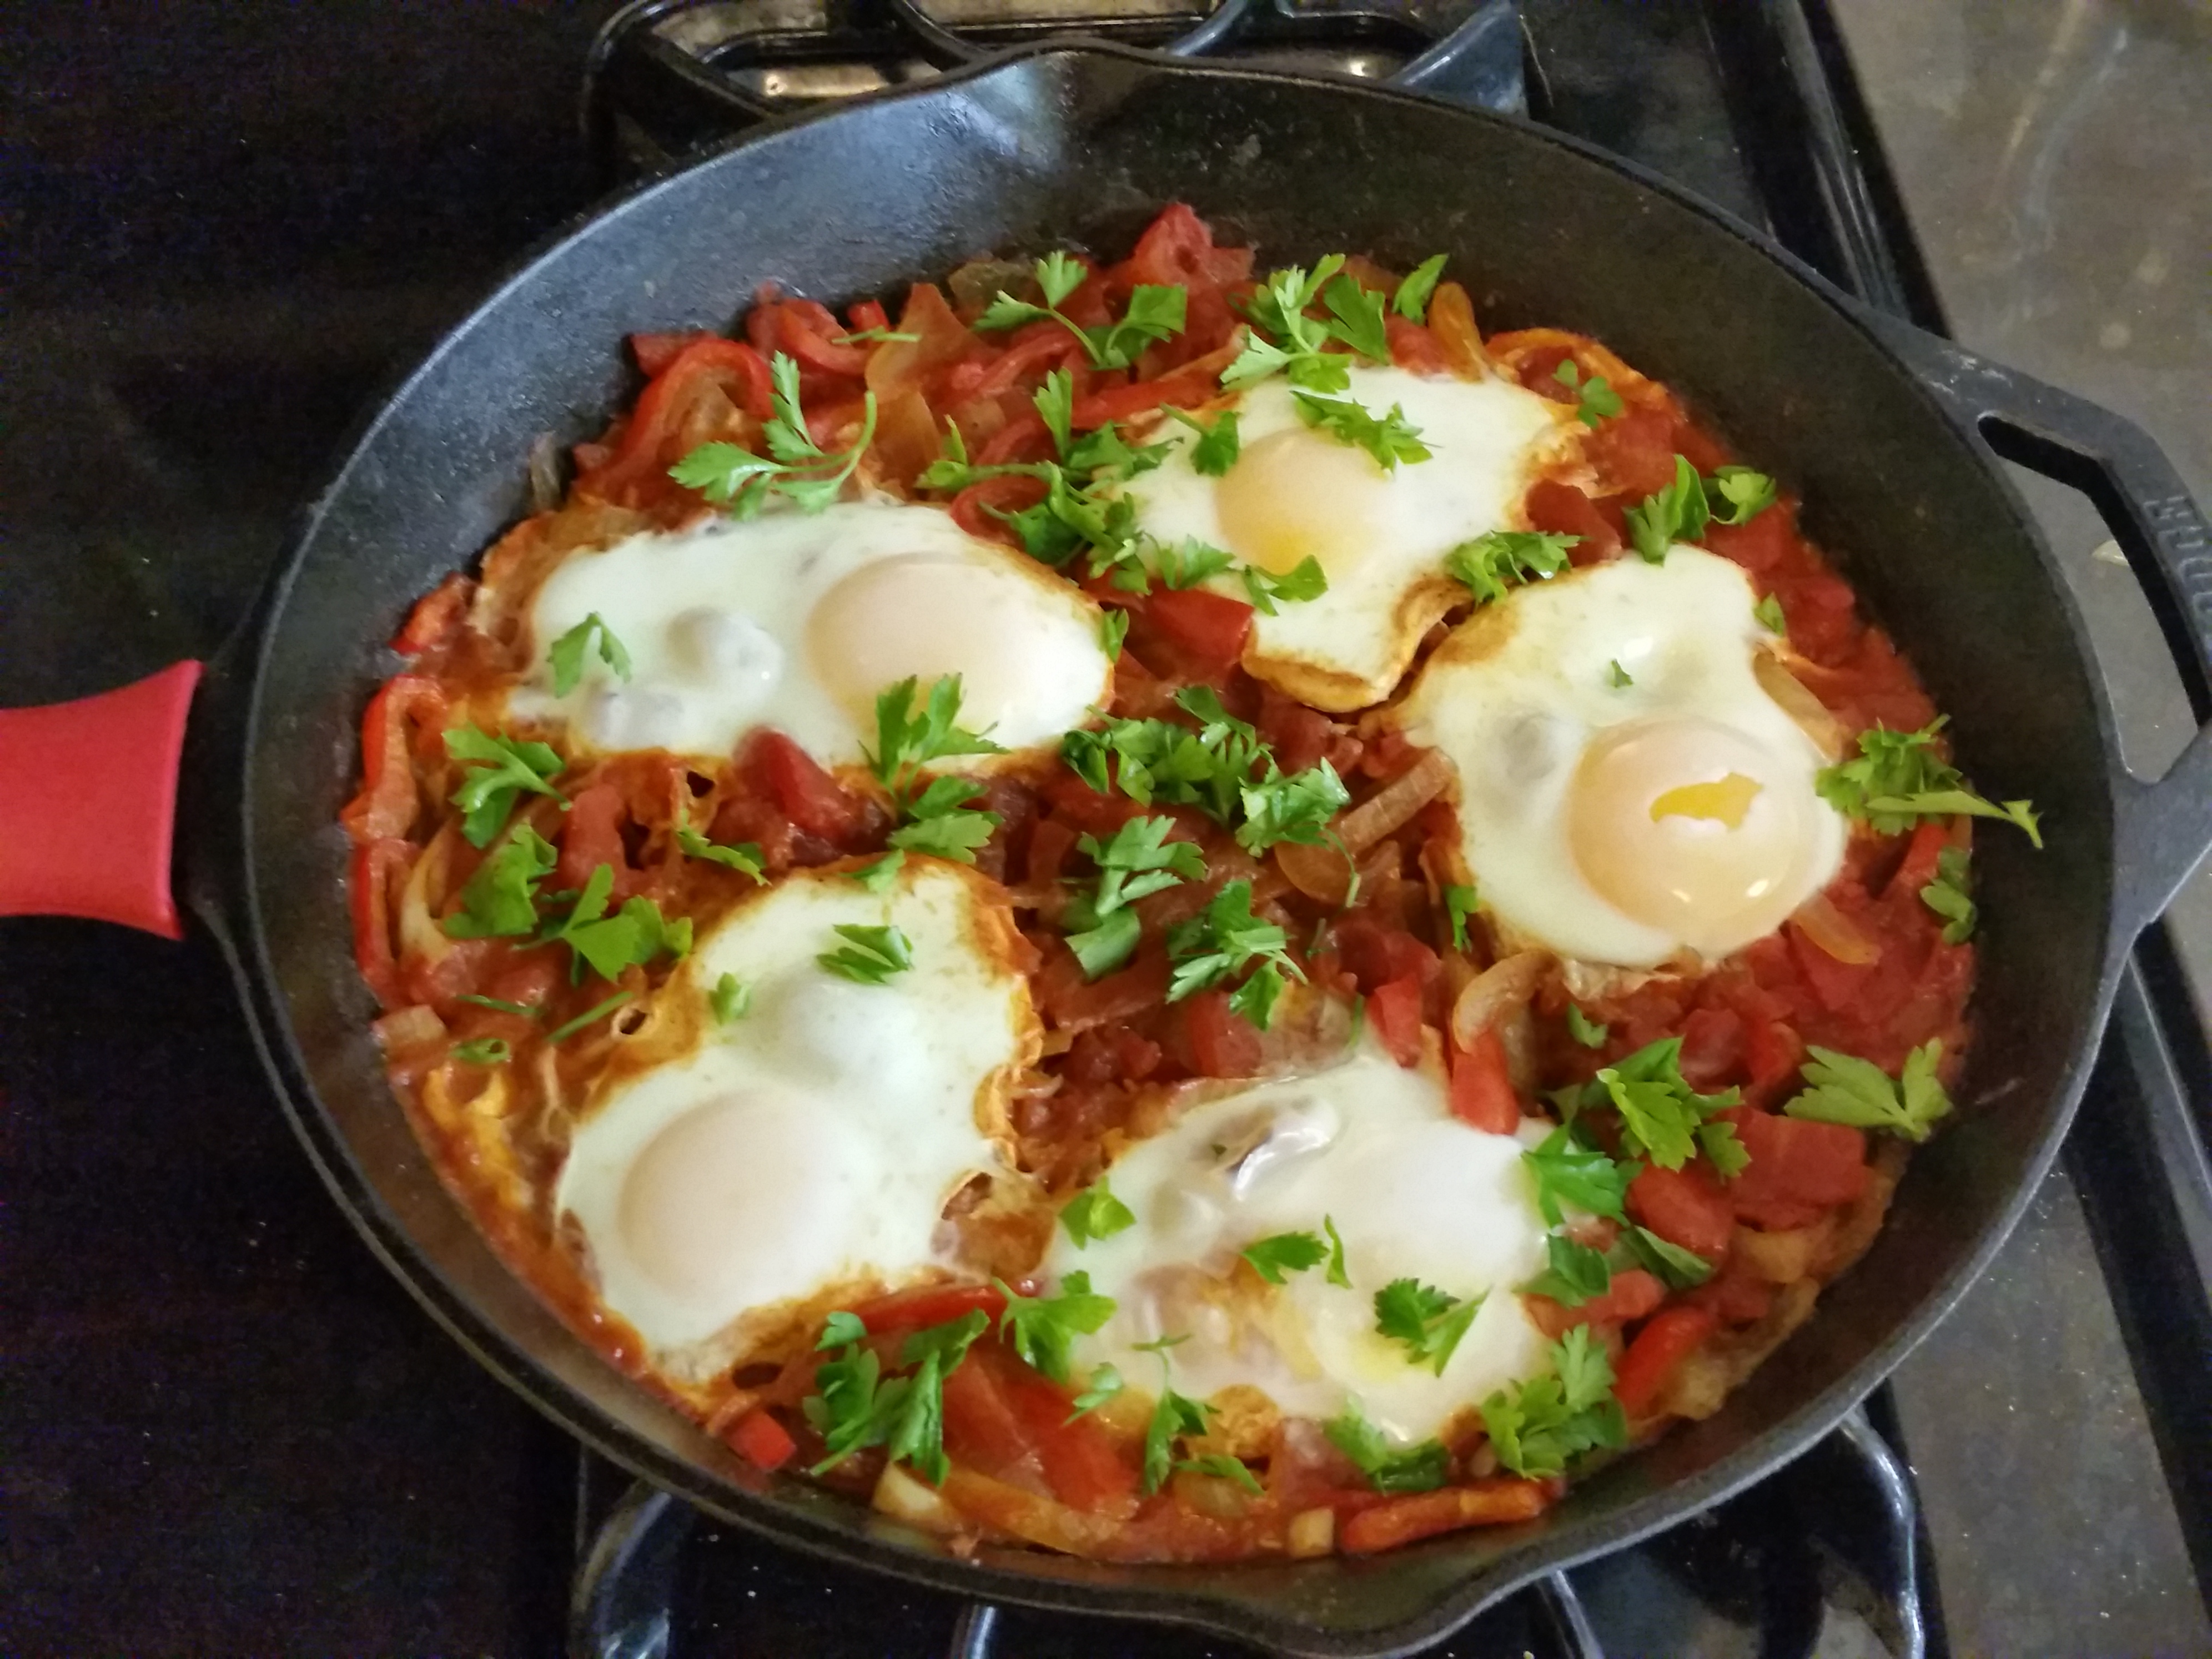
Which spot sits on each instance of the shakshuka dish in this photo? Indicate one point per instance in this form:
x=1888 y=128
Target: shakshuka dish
x=1165 y=911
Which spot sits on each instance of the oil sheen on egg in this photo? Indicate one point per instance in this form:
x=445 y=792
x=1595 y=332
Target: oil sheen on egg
x=1622 y=822
x=1380 y=537
x=799 y=620
x=809 y=1146
x=1412 y=1191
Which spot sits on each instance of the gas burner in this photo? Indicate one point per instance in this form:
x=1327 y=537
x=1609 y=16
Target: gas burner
x=667 y=77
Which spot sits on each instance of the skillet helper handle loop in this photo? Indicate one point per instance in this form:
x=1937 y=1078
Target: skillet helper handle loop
x=2162 y=829
x=88 y=803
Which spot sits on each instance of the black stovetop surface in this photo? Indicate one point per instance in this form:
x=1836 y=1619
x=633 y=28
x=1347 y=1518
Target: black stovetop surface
x=227 y=1429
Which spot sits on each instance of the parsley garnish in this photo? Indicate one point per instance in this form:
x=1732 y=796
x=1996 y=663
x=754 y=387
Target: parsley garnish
x=1186 y=564
x=878 y=875
x=1616 y=676
x=1105 y=1383
x=1461 y=901
x=1947 y=896
x=1227 y=1468
x=744 y=857
x=1220 y=943
x=1218 y=445
x=633 y=936
x=1427 y=1321
x=1280 y=308
x=484 y=1051
x=589 y=1017
x=1768 y=614
x=1584 y=1030
x=938 y=819
x=871 y=956
x=1854 y=1091
x=1055 y=405
x=1422 y=1467
x=1594 y=398
x=1095 y=1213
x=567 y=654
x=1735 y=494
x=1567 y=1171
x=1173 y=1416
x=1676 y=513
x=800 y=469
x=856 y=1407
x=1139 y=861
x=1899 y=778
x=1677 y=1268
x=1411 y=300
x=1538 y=1425
x=1113 y=629
x=1223 y=768
x=1503 y=558
x=1155 y=313
x=1661 y=1116
x=500 y=770
x=1337 y=1274
x=730 y=998
x=1043 y=1329
x=1271 y=1258
x=501 y=899
x=1575 y=1273
x=1388 y=438
x=504 y=1007
x=1304 y=581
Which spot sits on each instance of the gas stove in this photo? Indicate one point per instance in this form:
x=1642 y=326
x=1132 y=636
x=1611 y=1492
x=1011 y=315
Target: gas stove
x=227 y=1429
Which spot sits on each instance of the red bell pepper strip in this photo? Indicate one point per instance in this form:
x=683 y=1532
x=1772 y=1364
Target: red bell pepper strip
x=1665 y=1341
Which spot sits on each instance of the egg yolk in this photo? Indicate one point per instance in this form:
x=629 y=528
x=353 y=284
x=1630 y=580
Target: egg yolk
x=926 y=616
x=1687 y=826
x=1295 y=495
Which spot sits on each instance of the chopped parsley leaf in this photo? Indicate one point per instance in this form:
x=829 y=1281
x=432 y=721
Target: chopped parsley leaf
x=1043 y=1329
x=795 y=467
x=1412 y=299
x=500 y=769
x=1503 y=558
x=1898 y=779
x=1285 y=1253
x=1428 y=1322
x=500 y=901
x=871 y=956
x=567 y=654
x=1390 y=1468
x=1850 y=1090
x=1948 y=895
x=744 y=857
x=1095 y=1213
x=730 y=999
x=1538 y=1426
x=484 y=1051
x=1677 y=514
x=1568 y=1171
x=1594 y=398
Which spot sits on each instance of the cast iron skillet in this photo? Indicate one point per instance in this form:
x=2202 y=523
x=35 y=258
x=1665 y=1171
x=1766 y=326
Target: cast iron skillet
x=1892 y=436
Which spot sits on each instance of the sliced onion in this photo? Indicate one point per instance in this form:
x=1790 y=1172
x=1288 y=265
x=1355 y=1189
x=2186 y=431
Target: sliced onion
x=1393 y=807
x=1796 y=699
x=902 y=1498
x=1451 y=319
x=1501 y=989
x=1312 y=1533
x=407 y=1028
x=1319 y=872
x=1835 y=933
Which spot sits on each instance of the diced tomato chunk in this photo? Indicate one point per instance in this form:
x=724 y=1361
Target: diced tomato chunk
x=1663 y=1344
x=1838 y=984
x=808 y=796
x=1634 y=453
x=1376 y=952
x=928 y=1305
x=1685 y=1206
x=1394 y=1011
x=1083 y=1465
x=1482 y=1086
x=1208 y=628
x=1713 y=1046
x=1759 y=545
x=763 y=1442
x=591 y=835
x=1222 y=1043
x=1795 y=1163
x=1631 y=1295
x=1564 y=510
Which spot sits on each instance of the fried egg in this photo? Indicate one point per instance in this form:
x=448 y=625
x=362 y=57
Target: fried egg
x=1369 y=1147
x=810 y=1146
x=1627 y=787
x=799 y=621
x=1380 y=537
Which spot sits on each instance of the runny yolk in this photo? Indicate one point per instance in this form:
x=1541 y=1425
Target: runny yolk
x=1724 y=800
x=1295 y=495
x=1673 y=823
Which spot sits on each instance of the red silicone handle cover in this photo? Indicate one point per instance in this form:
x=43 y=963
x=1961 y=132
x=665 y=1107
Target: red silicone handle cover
x=88 y=800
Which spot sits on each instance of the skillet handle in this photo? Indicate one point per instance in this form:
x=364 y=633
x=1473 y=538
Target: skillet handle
x=88 y=801
x=2162 y=829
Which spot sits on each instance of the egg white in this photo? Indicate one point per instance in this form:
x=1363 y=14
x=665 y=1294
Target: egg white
x=1386 y=583
x=811 y=1144
x=732 y=625
x=1516 y=694
x=1411 y=1190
